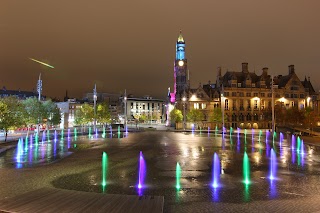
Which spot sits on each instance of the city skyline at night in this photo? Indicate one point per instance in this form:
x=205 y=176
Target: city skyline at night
x=132 y=46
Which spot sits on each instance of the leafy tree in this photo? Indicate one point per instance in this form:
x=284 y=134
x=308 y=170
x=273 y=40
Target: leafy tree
x=84 y=115
x=311 y=118
x=195 y=115
x=280 y=114
x=11 y=114
x=143 y=118
x=34 y=111
x=51 y=113
x=216 y=115
x=103 y=114
x=294 y=116
x=176 y=115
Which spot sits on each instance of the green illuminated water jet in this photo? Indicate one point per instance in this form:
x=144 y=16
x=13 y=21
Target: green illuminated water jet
x=104 y=132
x=178 y=175
x=260 y=134
x=75 y=133
x=62 y=134
x=104 y=168
x=298 y=144
x=246 y=169
x=90 y=132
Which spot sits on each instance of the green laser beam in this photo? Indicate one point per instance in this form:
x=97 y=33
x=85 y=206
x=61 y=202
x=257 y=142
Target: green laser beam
x=40 y=62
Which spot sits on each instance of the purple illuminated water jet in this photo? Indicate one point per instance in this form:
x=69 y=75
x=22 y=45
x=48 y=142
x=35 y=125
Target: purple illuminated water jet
x=142 y=171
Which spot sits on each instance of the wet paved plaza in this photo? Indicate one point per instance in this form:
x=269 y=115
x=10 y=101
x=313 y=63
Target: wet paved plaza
x=295 y=187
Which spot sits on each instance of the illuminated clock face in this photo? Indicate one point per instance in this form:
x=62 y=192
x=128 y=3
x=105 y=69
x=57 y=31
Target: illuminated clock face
x=180 y=63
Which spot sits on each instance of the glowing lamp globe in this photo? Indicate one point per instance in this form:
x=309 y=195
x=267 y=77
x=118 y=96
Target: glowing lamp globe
x=180 y=63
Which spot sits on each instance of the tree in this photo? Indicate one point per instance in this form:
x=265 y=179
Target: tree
x=84 y=115
x=103 y=114
x=11 y=114
x=176 y=115
x=34 y=111
x=311 y=118
x=294 y=116
x=216 y=115
x=195 y=116
x=143 y=118
x=51 y=113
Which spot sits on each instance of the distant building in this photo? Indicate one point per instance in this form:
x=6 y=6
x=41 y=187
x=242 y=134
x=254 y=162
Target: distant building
x=19 y=94
x=112 y=99
x=152 y=108
x=68 y=111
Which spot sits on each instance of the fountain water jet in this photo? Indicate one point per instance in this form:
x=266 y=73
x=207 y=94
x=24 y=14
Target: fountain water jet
x=142 y=171
x=246 y=169
x=216 y=171
x=75 y=133
x=62 y=133
x=273 y=165
x=104 y=168
x=178 y=175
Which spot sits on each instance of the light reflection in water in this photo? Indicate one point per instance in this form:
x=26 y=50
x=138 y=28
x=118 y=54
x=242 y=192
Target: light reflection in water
x=215 y=194
x=273 y=189
x=246 y=192
x=293 y=156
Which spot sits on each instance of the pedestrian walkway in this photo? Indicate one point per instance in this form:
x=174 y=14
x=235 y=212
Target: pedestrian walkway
x=61 y=200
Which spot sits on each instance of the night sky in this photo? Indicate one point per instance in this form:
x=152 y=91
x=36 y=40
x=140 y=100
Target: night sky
x=127 y=44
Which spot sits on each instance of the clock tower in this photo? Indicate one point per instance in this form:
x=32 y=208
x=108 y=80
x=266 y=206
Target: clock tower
x=181 y=79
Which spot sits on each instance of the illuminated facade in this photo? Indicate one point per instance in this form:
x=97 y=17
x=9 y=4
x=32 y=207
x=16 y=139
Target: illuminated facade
x=246 y=98
x=152 y=109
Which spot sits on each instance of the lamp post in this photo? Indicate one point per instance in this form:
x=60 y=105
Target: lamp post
x=94 y=106
x=272 y=105
x=39 y=89
x=222 y=109
x=125 y=109
x=184 y=112
x=39 y=84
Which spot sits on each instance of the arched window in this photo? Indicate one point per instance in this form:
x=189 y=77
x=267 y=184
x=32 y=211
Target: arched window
x=248 y=117
x=226 y=104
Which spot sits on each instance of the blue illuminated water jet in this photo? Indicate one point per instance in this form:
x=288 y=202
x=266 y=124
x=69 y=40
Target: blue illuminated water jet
x=216 y=169
x=273 y=165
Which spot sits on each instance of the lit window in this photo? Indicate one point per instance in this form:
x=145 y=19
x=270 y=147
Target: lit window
x=196 y=105
x=226 y=104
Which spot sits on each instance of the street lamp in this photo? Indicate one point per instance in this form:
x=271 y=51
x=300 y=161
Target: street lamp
x=184 y=112
x=94 y=105
x=272 y=99
x=222 y=109
x=125 y=109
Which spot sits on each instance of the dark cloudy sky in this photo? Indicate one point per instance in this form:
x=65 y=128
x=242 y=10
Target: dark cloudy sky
x=130 y=44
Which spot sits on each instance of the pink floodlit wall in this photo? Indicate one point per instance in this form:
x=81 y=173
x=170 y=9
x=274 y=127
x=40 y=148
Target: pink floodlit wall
x=173 y=97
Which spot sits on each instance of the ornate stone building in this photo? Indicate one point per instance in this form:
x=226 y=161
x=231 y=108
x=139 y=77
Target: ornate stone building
x=244 y=97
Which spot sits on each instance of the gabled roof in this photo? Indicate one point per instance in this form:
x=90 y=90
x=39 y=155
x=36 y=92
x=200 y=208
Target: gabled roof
x=307 y=84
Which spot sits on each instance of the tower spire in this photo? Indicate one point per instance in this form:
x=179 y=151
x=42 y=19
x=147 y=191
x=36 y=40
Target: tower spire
x=180 y=38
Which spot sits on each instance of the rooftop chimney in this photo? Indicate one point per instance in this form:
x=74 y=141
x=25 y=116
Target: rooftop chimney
x=291 y=69
x=245 y=67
